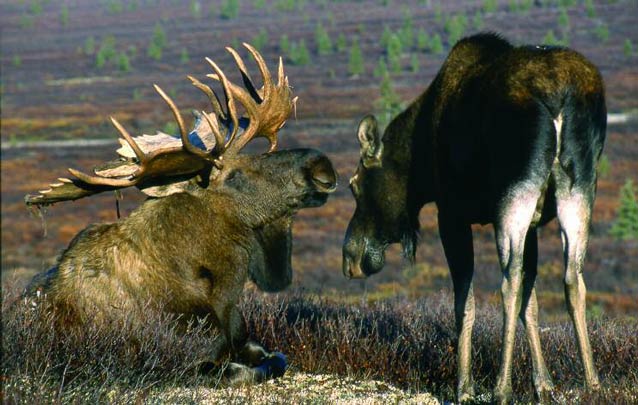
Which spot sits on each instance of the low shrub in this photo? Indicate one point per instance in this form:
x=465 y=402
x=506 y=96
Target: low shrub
x=406 y=343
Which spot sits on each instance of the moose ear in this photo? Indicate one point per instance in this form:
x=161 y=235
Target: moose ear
x=370 y=140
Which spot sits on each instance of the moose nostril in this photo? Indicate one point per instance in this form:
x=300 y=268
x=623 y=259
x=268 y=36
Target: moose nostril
x=324 y=176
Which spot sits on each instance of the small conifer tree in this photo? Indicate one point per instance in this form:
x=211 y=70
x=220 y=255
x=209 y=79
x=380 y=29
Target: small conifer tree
x=628 y=48
x=626 y=224
x=355 y=62
x=322 y=38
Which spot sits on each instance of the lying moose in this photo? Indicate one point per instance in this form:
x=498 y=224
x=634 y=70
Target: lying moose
x=504 y=135
x=215 y=218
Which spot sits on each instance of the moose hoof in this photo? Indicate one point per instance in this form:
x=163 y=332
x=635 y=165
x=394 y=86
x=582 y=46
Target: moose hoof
x=274 y=365
x=465 y=397
x=502 y=396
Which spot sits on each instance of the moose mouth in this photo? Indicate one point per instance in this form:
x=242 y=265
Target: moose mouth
x=368 y=261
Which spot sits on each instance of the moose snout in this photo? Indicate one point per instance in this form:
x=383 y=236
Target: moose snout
x=323 y=175
x=352 y=258
x=362 y=256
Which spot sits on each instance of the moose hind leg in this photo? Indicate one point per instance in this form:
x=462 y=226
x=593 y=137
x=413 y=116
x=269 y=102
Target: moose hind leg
x=574 y=215
x=529 y=316
x=511 y=227
x=457 y=244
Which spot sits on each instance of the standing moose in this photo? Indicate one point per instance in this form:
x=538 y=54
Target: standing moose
x=217 y=218
x=504 y=135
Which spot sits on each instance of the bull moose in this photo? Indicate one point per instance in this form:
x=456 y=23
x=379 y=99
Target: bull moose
x=215 y=218
x=504 y=135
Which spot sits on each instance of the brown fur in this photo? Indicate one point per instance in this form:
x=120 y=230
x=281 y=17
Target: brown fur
x=191 y=253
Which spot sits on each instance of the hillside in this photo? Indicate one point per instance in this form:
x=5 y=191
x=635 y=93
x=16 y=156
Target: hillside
x=66 y=66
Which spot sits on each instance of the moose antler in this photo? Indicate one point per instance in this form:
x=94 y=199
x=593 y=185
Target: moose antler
x=267 y=108
x=174 y=160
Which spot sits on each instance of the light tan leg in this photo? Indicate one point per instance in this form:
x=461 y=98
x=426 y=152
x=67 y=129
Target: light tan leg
x=574 y=213
x=511 y=230
x=529 y=316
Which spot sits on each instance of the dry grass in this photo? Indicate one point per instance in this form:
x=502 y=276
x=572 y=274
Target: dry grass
x=409 y=344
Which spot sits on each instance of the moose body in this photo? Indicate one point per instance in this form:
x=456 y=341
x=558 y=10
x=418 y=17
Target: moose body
x=504 y=135
x=218 y=218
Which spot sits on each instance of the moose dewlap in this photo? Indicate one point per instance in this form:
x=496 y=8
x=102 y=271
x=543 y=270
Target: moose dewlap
x=216 y=218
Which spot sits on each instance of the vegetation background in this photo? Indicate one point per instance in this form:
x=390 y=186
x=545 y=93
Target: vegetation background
x=66 y=65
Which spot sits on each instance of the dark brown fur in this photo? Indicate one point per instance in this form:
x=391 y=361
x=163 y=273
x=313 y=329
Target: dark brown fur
x=504 y=135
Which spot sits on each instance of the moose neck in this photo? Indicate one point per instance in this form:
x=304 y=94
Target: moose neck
x=409 y=145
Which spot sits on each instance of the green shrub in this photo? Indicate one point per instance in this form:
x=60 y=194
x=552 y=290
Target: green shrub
x=64 y=15
x=394 y=51
x=196 y=9
x=381 y=70
x=490 y=6
x=422 y=40
x=322 y=38
x=35 y=7
x=436 y=45
x=407 y=31
x=342 y=43
x=284 y=44
x=106 y=52
x=158 y=41
x=438 y=14
x=260 y=40
x=602 y=32
x=89 y=45
x=184 y=57
x=563 y=19
x=550 y=38
x=355 y=60
x=389 y=103
x=414 y=63
x=154 y=51
x=115 y=7
x=603 y=166
x=590 y=9
x=626 y=224
x=455 y=27
x=230 y=9
x=123 y=62
x=385 y=36
x=628 y=48
x=299 y=54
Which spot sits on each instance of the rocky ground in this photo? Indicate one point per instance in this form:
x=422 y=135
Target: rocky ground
x=299 y=388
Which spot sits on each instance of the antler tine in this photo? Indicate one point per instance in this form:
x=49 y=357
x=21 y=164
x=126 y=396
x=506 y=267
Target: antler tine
x=103 y=181
x=141 y=156
x=248 y=82
x=281 y=78
x=265 y=73
x=214 y=127
x=230 y=91
x=186 y=144
x=212 y=96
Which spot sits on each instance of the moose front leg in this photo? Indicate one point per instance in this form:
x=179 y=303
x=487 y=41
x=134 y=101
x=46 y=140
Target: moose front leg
x=250 y=362
x=459 y=252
